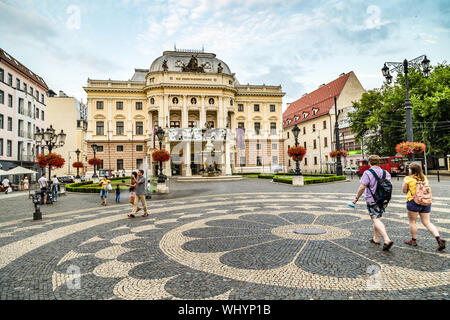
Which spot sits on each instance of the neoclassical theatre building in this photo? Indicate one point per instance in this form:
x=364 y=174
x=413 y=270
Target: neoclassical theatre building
x=196 y=99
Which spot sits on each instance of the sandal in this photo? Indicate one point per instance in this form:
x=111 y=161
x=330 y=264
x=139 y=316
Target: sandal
x=386 y=247
x=371 y=241
x=411 y=243
x=145 y=215
x=131 y=216
x=442 y=245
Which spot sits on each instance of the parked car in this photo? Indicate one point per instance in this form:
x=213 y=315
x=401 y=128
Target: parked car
x=350 y=170
x=66 y=179
x=291 y=171
x=83 y=178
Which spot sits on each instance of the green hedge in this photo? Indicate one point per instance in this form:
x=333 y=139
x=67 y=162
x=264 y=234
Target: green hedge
x=311 y=180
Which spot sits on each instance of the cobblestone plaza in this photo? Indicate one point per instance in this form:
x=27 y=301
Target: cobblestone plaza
x=231 y=240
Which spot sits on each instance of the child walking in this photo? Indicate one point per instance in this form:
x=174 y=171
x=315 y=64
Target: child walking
x=118 y=194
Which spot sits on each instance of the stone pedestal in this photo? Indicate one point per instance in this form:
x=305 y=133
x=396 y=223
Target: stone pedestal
x=162 y=188
x=297 y=181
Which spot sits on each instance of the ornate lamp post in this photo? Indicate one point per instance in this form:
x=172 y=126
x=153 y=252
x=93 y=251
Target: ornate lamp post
x=419 y=62
x=50 y=140
x=160 y=134
x=338 y=144
x=296 y=131
x=94 y=148
x=78 y=160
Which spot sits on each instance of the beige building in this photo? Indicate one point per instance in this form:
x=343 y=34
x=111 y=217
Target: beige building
x=185 y=92
x=314 y=114
x=67 y=113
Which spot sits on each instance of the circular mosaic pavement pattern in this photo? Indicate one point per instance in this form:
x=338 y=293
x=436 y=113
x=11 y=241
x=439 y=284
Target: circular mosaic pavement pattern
x=238 y=246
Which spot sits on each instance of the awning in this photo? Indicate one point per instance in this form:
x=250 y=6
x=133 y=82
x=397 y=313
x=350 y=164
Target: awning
x=3 y=172
x=19 y=170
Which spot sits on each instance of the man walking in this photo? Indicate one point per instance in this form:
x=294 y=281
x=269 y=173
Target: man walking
x=369 y=184
x=140 y=193
x=5 y=183
x=55 y=183
x=43 y=184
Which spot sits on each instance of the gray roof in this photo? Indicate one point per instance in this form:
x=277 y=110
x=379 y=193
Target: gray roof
x=174 y=58
x=139 y=75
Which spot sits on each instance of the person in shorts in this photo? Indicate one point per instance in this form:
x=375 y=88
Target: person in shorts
x=141 y=191
x=414 y=209
x=43 y=184
x=369 y=184
x=118 y=193
x=103 y=191
x=5 y=184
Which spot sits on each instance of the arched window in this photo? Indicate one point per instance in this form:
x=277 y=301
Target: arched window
x=193 y=101
x=211 y=100
x=175 y=100
x=231 y=102
x=152 y=100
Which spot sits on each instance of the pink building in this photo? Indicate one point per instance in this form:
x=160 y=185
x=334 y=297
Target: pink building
x=22 y=112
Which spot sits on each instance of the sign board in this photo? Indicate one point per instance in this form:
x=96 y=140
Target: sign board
x=196 y=134
x=354 y=152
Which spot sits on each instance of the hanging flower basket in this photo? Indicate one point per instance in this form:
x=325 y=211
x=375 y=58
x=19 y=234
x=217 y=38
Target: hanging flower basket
x=78 y=164
x=160 y=155
x=297 y=153
x=52 y=160
x=95 y=161
x=408 y=147
x=336 y=153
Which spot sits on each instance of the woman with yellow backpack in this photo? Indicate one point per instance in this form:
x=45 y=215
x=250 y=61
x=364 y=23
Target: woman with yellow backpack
x=418 y=202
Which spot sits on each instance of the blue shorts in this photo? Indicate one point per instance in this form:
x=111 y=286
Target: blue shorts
x=103 y=193
x=414 y=207
x=374 y=211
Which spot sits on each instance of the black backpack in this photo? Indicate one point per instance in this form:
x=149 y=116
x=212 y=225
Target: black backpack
x=383 y=193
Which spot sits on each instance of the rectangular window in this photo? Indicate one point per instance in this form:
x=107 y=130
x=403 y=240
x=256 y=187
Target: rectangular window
x=288 y=134
x=324 y=124
x=1 y=147
x=257 y=127
x=99 y=148
x=1 y=121
x=314 y=128
x=304 y=144
x=139 y=148
x=119 y=105
x=2 y=97
x=42 y=98
x=119 y=164
x=325 y=142
x=139 y=164
x=25 y=87
x=242 y=161
x=37 y=95
x=100 y=166
x=119 y=128
x=42 y=114
x=31 y=90
x=256 y=107
x=306 y=161
x=10 y=79
x=37 y=113
x=315 y=160
x=274 y=160
x=272 y=108
x=99 y=105
x=314 y=144
x=274 y=146
x=138 y=105
x=9 y=148
x=100 y=128
x=9 y=124
x=17 y=83
x=258 y=146
x=273 y=128
x=119 y=148
x=241 y=125
x=2 y=75
x=139 y=128
x=240 y=107
x=192 y=124
x=304 y=130
x=258 y=161
x=10 y=101
x=175 y=124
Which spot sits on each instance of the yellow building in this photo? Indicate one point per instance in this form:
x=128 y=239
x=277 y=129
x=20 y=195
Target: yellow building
x=196 y=99
x=314 y=114
x=70 y=115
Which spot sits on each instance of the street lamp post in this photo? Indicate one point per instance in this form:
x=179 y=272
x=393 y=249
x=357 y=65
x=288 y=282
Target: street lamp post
x=338 y=144
x=419 y=62
x=160 y=133
x=94 y=148
x=50 y=140
x=78 y=160
x=296 y=131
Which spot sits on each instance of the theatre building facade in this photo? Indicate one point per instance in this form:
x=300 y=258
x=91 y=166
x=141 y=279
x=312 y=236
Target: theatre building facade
x=207 y=116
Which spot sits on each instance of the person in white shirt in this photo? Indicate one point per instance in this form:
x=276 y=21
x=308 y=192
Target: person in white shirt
x=43 y=184
x=5 y=184
x=55 y=183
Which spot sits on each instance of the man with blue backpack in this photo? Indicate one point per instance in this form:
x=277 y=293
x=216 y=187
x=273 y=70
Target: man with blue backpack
x=377 y=184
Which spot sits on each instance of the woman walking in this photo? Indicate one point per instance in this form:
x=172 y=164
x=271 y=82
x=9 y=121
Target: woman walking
x=413 y=186
x=133 y=199
x=105 y=184
x=26 y=184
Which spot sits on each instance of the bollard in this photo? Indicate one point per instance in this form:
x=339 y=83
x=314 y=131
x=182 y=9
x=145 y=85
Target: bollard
x=439 y=180
x=37 y=215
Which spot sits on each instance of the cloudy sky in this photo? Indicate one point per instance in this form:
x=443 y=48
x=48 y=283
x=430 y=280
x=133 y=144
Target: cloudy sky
x=299 y=44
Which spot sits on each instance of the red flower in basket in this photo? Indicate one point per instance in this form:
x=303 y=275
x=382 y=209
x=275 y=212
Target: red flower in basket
x=52 y=160
x=342 y=153
x=297 y=153
x=161 y=155
x=408 y=147
x=95 y=161
x=78 y=164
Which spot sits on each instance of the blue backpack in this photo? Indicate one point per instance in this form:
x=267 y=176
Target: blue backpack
x=383 y=192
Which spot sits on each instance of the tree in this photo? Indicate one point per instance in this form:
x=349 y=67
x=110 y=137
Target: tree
x=379 y=117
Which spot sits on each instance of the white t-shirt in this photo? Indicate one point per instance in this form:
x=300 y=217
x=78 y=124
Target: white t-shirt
x=5 y=183
x=55 y=181
x=42 y=182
